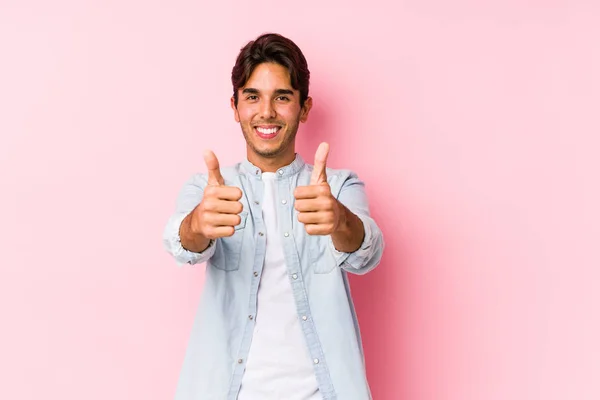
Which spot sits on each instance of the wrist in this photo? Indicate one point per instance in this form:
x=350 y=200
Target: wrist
x=344 y=218
x=191 y=240
x=350 y=232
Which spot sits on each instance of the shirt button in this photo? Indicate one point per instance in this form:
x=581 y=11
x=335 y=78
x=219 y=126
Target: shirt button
x=250 y=317
x=295 y=276
x=316 y=360
x=255 y=273
x=280 y=172
x=283 y=201
x=304 y=318
x=286 y=234
x=256 y=202
x=261 y=234
x=241 y=361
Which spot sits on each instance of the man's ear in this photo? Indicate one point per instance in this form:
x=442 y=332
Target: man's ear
x=236 y=115
x=306 y=109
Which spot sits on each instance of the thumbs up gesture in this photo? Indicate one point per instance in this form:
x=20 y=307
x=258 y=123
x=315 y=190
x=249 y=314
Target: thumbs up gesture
x=218 y=212
x=319 y=211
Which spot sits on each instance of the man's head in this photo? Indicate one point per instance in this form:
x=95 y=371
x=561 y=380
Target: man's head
x=270 y=96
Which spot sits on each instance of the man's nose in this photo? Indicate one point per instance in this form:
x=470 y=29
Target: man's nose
x=267 y=110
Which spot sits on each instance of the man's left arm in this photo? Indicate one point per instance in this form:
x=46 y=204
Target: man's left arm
x=341 y=211
x=350 y=233
x=358 y=242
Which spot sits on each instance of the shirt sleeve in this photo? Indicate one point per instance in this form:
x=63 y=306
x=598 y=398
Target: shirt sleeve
x=189 y=197
x=352 y=194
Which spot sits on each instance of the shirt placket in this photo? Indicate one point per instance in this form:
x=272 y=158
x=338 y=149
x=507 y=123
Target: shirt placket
x=259 y=230
x=285 y=215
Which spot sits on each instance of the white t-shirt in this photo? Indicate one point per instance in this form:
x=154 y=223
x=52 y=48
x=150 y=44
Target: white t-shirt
x=279 y=365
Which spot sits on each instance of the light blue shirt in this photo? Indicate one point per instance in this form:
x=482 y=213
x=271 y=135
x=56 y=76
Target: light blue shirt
x=223 y=327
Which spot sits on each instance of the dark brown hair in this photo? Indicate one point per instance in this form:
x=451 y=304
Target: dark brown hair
x=275 y=48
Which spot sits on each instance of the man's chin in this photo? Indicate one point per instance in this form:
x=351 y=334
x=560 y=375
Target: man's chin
x=270 y=153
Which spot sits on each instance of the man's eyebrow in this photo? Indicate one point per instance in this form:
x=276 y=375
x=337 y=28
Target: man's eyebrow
x=284 y=91
x=277 y=92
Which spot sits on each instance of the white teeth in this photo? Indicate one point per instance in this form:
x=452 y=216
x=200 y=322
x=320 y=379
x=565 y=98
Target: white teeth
x=265 y=131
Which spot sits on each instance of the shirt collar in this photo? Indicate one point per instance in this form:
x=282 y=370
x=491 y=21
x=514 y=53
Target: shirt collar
x=283 y=172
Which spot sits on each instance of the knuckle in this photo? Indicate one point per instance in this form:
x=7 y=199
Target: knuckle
x=198 y=217
x=209 y=203
x=210 y=190
x=208 y=232
x=206 y=229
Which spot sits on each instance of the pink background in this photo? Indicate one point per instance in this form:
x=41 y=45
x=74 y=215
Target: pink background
x=475 y=125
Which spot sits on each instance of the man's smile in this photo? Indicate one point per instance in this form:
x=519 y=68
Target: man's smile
x=267 y=131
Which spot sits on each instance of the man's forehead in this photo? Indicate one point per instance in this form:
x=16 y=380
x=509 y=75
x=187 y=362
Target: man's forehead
x=269 y=74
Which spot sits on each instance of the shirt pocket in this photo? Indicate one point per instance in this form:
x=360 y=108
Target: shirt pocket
x=320 y=254
x=228 y=249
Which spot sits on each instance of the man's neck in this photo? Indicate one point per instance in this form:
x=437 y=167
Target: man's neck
x=271 y=164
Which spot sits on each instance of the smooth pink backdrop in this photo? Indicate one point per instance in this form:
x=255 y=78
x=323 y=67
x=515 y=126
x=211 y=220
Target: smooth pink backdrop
x=475 y=125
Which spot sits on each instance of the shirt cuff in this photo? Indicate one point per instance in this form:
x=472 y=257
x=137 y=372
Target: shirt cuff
x=182 y=256
x=359 y=257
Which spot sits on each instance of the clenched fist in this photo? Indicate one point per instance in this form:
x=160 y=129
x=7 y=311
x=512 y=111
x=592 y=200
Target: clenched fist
x=319 y=211
x=216 y=215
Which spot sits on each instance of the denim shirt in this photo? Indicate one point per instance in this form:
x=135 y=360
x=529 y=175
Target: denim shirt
x=224 y=323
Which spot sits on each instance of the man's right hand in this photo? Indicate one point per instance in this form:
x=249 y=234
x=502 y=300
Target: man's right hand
x=216 y=215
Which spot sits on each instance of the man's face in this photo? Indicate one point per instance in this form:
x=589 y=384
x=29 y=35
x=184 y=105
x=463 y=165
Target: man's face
x=269 y=112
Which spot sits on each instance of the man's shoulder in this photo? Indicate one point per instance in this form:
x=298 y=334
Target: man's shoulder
x=335 y=173
x=229 y=173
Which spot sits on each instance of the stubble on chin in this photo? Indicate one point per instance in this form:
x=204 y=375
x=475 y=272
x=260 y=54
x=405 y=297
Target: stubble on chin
x=269 y=153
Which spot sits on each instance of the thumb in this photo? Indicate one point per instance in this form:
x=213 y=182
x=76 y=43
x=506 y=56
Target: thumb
x=212 y=165
x=319 y=174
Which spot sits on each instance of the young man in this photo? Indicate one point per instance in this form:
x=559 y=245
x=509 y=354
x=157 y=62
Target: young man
x=276 y=319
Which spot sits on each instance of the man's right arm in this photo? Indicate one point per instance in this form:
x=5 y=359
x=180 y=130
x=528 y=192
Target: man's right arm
x=195 y=242
x=182 y=247
x=206 y=211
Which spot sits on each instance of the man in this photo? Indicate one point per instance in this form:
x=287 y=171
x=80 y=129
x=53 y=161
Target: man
x=276 y=319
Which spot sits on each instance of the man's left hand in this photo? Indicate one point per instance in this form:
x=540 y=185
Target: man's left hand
x=319 y=211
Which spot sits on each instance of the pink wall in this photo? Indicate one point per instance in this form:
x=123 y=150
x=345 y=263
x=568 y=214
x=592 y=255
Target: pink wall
x=475 y=125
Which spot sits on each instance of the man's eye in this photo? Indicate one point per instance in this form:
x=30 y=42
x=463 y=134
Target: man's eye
x=252 y=97
x=283 y=98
